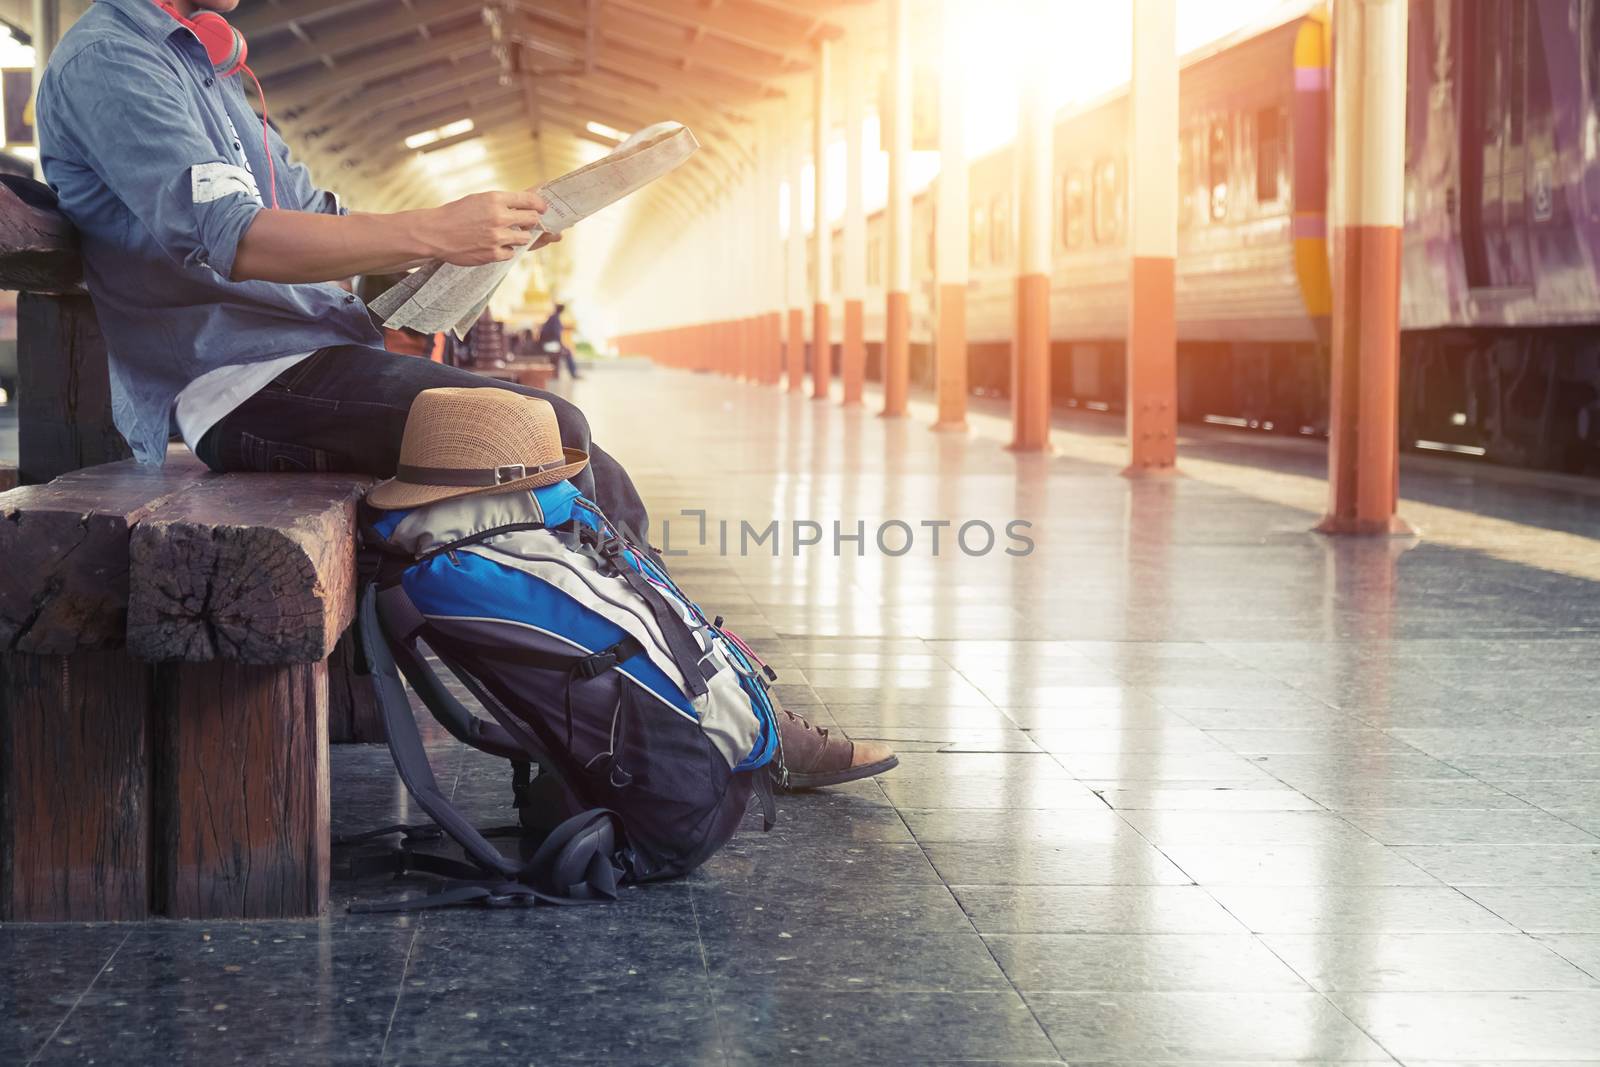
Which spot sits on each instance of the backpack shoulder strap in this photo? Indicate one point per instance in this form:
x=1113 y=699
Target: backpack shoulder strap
x=576 y=863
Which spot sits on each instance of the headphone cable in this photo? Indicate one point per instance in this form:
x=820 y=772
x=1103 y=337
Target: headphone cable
x=266 y=144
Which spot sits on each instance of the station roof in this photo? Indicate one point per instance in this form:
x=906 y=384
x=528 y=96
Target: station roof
x=350 y=81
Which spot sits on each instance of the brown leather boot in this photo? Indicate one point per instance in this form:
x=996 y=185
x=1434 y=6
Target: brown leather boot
x=815 y=758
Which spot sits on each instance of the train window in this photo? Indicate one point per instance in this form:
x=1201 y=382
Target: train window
x=1269 y=154
x=979 y=235
x=1072 y=209
x=1107 y=201
x=1185 y=179
x=999 y=230
x=1217 y=170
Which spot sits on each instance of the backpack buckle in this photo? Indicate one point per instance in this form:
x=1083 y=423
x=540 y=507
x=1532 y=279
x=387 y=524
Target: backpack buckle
x=610 y=548
x=596 y=664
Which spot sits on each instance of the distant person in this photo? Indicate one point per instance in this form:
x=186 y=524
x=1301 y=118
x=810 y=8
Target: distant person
x=550 y=340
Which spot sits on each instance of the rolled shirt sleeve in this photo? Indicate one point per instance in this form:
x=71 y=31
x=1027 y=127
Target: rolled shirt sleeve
x=150 y=149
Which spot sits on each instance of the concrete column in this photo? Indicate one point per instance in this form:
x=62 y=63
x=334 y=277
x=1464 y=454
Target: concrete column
x=1153 y=242
x=821 y=328
x=1369 y=82
x=1035 y=151
x=794 y=138
x=897 y=121
x=853 y=353
x=950 y=224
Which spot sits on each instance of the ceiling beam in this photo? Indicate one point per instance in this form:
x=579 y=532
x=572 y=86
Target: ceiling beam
x=404 y=102
x=308 y=88
x=404 y=22
x=642 y=24
x=261 y=17
x=728 y=24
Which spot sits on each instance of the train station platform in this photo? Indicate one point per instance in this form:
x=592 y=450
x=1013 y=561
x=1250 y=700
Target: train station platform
x=1185 y=783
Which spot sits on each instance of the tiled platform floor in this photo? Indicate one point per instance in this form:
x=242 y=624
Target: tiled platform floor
x=1187 y=784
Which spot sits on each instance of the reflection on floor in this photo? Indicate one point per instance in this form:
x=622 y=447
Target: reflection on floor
x=1184 y=783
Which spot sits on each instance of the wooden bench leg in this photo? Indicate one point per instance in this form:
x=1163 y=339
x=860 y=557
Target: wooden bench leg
x=353 y=716
x=63 y=388
x=75 y=787
x=242 y=789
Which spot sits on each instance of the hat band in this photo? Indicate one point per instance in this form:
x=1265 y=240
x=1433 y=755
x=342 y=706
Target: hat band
x=472 y=477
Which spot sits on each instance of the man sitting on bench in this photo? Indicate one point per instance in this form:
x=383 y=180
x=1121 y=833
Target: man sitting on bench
x=209 y=254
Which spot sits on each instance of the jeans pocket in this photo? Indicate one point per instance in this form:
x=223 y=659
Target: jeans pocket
x=280 y=457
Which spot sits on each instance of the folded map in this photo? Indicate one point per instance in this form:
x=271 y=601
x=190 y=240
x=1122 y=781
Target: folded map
x=440 y=296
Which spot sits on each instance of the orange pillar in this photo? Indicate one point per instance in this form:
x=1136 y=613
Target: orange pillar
x=796 y=349
x=950 y=226
x=897 y=327
x=853 y=352
x=752 y=358
x=822 y=354
x=772 y=348
x=1035 y=156
x=822 y=297
x=1369 y=84
x=1152 y=354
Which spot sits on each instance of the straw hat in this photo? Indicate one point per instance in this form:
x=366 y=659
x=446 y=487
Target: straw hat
x=462 y=442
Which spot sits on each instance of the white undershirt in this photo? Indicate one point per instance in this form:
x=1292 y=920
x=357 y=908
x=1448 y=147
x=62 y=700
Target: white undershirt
x=205 y=401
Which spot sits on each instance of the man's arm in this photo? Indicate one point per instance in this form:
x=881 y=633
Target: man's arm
x=298 y=246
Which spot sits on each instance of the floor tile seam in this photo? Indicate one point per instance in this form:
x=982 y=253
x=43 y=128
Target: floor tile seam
x=711 y=985
x=111 y=958
x=1591 y=972
x=1595 y=838
x=400 y=990
x=973 y=926
x=1011 y=984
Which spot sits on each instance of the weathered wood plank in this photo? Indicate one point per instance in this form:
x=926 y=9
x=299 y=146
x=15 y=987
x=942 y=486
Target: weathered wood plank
x=74 y=787
x=256 y=568
x=353 y=715
x=63 y=389
x=38 y=246
x=64 y=585
x=242 y=790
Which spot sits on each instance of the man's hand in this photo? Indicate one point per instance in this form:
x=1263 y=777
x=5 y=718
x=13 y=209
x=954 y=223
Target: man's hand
x=482 y=228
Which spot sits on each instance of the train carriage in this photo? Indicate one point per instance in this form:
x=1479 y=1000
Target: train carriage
x=1501 y=262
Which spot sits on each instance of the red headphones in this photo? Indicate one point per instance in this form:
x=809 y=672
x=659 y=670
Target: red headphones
x=228 y=52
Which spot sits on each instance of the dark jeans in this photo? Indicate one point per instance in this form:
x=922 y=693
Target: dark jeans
x=344 y=409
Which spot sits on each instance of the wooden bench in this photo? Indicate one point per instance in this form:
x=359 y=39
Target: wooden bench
x=171 y=661
x=534 y=373
x=165 y=647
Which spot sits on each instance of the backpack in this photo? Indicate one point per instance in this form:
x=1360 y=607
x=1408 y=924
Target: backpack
x=650 y=726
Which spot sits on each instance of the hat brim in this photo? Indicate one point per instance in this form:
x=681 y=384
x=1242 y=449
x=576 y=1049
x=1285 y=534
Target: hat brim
x=395 y=495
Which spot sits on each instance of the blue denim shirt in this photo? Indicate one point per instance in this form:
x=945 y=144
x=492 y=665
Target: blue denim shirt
x=157 y=162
